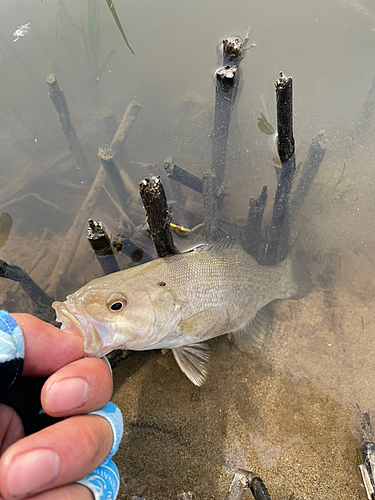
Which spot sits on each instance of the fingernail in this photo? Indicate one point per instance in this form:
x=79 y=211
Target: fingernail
x=32 y=470
x=66 y=395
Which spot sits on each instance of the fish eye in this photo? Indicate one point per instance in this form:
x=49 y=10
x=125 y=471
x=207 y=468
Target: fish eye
x=116 y=302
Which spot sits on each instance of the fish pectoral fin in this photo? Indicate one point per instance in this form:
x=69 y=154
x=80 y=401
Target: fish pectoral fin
x=193 y=361
x=198 y=324
x=254 y=332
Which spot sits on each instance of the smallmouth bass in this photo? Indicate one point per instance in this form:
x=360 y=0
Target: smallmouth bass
x=177 y=303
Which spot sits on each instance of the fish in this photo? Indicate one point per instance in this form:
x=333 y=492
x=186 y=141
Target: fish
x=178 y=302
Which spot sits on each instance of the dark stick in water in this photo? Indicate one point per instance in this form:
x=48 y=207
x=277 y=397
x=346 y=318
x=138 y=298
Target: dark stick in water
x=102 y=247
x=210 y=207
x=61 y=106
x=309 y=170
x=252 y=233
x=41 y=300
x=226 y=81
x=278 y=232
x=180 y=175
x=158 y=216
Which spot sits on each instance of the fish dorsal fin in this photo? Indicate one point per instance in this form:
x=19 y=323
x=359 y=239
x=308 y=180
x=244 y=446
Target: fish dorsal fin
x=254 y=332
x=193 y=361
x=219 y=245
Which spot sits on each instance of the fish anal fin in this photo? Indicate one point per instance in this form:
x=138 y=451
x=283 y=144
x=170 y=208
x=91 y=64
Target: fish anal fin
x=194 y=361
x=254 y=332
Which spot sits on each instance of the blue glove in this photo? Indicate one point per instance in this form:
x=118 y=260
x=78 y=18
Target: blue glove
x=23 y=394
x=104 y=481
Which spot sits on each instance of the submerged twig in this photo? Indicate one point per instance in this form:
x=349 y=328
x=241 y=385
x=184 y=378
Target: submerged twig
x=180 y=175
x=126 y=124
x=102 y=247
x=309 y=170
x=158 y=215
x=61 y=106
x=210 y=207
x=41 y=300
x=278 y=232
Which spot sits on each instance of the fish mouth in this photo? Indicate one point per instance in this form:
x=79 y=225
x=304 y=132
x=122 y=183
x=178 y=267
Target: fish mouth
x=93 y=342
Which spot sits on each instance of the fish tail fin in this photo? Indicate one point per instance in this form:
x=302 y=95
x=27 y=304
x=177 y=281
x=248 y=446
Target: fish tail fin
x=295 y=284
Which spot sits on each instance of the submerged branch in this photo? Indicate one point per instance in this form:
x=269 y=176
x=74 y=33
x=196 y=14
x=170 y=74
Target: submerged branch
x=114 y=175
x=226 y=81
x=278 y=231
x=102 y=247
x=210 y=207
x=61 y=106
x=158 y=216
x=41 y=300
x=180 y=175
x=126 y=124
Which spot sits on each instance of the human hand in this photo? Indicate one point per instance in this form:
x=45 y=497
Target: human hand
x=49 y=462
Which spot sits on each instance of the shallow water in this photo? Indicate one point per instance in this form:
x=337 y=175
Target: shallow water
x=289 y=412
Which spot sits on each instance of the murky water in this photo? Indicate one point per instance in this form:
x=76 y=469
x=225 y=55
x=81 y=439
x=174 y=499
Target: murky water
x=289 y=412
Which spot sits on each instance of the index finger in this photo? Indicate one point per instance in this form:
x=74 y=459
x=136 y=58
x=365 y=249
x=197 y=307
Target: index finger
x=47 y=349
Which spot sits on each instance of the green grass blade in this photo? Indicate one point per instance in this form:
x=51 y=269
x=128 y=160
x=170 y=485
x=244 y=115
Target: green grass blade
x=117 y=21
